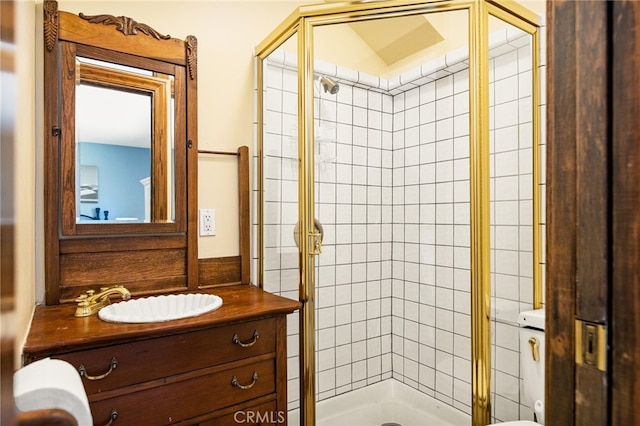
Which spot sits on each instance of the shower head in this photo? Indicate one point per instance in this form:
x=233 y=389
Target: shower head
x=329 y=84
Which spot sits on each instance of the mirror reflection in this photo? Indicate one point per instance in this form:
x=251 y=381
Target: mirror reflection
x=124 y=124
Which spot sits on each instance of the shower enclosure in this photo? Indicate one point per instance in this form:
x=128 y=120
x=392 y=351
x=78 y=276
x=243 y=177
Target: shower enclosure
x=398 y=194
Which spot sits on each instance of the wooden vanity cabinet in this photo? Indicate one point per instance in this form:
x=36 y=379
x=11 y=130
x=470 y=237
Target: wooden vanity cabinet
x=223 y=368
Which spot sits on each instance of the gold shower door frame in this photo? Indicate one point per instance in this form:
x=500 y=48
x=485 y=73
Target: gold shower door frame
x=301 y=23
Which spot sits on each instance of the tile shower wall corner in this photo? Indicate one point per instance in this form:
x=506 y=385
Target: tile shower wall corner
x=431 y=245
x=431 y=299
x=392 y=192
x=353 y=198
x=353 y=276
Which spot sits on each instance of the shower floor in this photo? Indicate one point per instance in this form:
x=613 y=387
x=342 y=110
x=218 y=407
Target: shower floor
x=389 y=401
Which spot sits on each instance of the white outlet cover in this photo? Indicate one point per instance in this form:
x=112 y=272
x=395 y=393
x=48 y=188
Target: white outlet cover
x=207 y=222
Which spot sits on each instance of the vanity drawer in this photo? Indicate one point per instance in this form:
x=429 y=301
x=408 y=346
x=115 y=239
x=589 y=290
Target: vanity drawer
x=166 y=403
x=145 y=360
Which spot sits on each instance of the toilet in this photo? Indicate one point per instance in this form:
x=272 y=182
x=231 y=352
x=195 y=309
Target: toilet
x=531 y=347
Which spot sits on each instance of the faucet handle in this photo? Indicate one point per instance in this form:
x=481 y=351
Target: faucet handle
x=90 y=293
x=83 y=301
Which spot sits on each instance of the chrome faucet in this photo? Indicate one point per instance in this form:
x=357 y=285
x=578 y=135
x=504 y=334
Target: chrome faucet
x=91 y=303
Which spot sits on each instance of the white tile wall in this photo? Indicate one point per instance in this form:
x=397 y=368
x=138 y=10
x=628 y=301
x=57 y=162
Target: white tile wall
x=392 y=179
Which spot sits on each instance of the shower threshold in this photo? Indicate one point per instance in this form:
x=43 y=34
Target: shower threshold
x=387 y=402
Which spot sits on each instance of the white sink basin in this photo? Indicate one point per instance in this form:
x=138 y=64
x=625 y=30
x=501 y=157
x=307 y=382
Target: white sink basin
x=160 y=308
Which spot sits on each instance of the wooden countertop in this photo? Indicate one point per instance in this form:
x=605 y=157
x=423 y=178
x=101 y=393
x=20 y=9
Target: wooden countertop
x=55 y=329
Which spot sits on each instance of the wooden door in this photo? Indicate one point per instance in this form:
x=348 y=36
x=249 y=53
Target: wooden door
x=625 y=183
x=593 y=241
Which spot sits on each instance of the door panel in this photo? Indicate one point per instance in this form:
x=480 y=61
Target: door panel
x=578 y=206
x=593 y=215
x=625 y=162
x=561 y=214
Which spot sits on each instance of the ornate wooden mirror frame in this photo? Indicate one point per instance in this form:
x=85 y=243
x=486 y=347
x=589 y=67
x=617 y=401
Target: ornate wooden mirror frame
x=155 y=257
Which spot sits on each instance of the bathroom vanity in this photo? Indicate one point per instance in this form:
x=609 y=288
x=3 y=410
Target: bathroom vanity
x=204 y=370
x=219 y=368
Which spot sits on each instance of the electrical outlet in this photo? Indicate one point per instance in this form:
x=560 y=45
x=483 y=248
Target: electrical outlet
x=207 y=222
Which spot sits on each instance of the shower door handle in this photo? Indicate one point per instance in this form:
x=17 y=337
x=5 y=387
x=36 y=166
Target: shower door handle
x=316 y=237
x=316 y=242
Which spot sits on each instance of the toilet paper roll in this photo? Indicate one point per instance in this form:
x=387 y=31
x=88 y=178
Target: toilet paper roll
x=538 y=408
x=52 y=383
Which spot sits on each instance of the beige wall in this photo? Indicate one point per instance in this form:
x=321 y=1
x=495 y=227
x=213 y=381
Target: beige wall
x=26 y=161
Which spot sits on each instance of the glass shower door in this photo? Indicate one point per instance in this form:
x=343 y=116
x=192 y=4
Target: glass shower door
x=392 y=173
x=516 y=188
x=278 y=201
x=392 y=191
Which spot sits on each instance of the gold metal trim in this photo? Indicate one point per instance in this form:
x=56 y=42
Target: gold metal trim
x=351 y=10
x=335 y=13
x=480 y=215
x=260 y=164
x=537 y=172
x=591 y=344
x=279 y=35
x=306 y=173
x=266 y=48
x=515 y=10
x=390 y=12
x=499 y=10
x=302 y=22
x=509 y=18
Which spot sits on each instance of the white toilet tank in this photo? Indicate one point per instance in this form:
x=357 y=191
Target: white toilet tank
x=532 y=347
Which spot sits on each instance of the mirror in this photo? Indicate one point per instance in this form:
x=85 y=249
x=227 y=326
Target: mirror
x=123 y=119
x=121 y=114
x=120 y=156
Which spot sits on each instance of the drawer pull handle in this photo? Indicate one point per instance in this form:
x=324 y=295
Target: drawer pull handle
x=236 y=384
x=112 y=417
x=239 y=342
x=83 y=372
